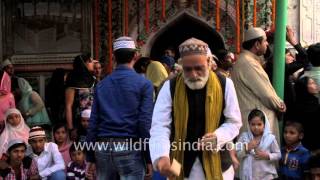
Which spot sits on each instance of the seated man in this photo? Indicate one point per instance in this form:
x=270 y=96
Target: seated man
x=17 y=166
x=49 y=159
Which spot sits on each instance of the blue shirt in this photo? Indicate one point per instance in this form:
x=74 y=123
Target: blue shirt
x=122 y=106
x=294 y=163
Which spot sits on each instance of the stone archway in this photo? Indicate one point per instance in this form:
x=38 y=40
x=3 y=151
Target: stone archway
x=185 y=25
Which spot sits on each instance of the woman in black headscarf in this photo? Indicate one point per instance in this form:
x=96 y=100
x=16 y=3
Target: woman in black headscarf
x=307 y=110
x=55 y=96
x=79 y=90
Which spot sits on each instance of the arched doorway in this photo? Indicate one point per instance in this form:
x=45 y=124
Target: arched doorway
x=183 y=27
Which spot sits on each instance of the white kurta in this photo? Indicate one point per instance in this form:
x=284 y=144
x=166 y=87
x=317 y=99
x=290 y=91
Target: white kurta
x=161 y=122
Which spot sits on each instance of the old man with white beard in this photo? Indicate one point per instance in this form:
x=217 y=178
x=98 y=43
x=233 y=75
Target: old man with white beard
x=197 y=107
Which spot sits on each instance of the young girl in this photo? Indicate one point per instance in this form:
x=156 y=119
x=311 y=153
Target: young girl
x=15 y=128
x=260 y=151
x=61 y=138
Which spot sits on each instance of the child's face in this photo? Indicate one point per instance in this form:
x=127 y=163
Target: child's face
x=85 y=122
x=78 y=157
x=37 y=144
x=256 y=126
x=315 y=173
x=60 y=135
x=17 y=154
x=14 y=119
x=291 y=135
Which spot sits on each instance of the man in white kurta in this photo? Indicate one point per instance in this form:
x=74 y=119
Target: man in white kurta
x=161 y=128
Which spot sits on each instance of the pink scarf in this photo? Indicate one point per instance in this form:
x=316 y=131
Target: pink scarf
x=21 y=131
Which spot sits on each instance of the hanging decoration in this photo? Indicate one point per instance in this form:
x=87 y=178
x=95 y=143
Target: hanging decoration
x=147 y=17
x=218 y=15
x=254 y=13
x=199 y=7
x=96 y=29
x=274 y=4
x=267 y=7
x=138 y=18
x=155 y=15
x=238 y=35
x=126 y=17
x=163 y=10
x=109 y=10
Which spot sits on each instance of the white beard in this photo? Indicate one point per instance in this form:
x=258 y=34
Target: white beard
x=196 y=83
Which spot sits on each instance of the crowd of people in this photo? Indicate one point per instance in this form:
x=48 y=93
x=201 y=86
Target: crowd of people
x=185 y=113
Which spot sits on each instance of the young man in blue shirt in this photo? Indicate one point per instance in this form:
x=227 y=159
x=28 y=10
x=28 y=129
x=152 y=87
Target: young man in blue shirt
x=121 y=116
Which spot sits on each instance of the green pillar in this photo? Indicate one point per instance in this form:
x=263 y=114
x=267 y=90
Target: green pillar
x=279 y=51
x=279 y=47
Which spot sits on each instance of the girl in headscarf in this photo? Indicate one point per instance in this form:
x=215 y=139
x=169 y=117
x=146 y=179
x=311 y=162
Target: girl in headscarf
x=32 y=106
x=61 y=138
x=15 y=128
x=79 y=91
x=259 y=149
x=307 y=111
x=6 y=97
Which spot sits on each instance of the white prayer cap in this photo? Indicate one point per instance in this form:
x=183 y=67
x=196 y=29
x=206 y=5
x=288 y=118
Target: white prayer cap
x=193 y=46
x=86 y=113
x=14 y=142
x=254 y=33
x=5 y=63
x=124 y=42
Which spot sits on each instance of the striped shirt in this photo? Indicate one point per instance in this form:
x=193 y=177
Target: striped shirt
x=76 y=171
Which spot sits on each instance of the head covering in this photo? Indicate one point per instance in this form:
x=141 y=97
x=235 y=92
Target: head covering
x=305 y=100
x=156 y=73
x=168 y=60
x=5 y=84
x=86 y=113
x=5 y=63
x=265 y=142
x=16 y=142
x=24 y=86
x=80 y=77
x=124 y=42
x=253 y=33
x=314 y=54
x=36 y=132
x=193 y=46
x=21 y=131
x=56 y=89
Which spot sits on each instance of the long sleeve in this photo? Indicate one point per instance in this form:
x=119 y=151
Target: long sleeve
x=92 y=129
x=12 y=103
x=260 y=85
x=145 y=111
x=275 y=153
x=301 y=60
x=37 y=103
x=57 y=161
x=230 y=128
x=145 y=116
x=161 y=124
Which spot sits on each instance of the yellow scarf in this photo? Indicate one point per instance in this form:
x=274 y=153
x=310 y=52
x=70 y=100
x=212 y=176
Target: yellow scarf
x=213 y=109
